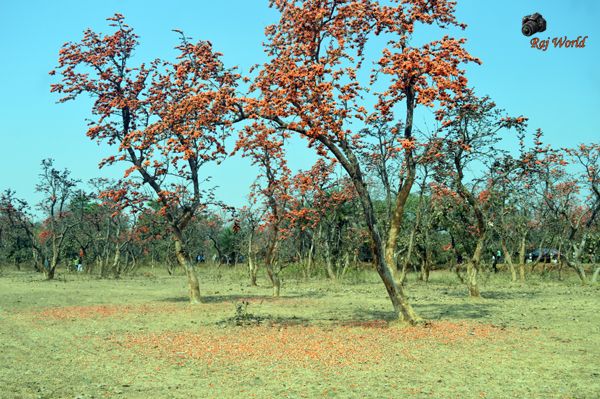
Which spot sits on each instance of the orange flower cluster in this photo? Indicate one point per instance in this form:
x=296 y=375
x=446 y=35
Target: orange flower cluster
x=408 y=144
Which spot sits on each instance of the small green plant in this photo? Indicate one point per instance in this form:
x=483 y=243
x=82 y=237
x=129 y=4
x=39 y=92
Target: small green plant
x=241 y=310
x=242 y=317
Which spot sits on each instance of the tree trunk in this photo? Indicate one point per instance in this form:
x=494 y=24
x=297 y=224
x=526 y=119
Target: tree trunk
x=329 y=268
x=424 y=270
x=576 y=264
x=116 y=270
x=194 y=285
x=102 y=262
x=273 y=274
x=122 y=267
x=216 y=245
x=454 y=265
x=457 y=272
x=133 y=261
x=560 y=269
x=252 y=268
x=328 y=261
x=346 y=264
x=580 y=271
x=405 y=187
x=402 y=307
x=581 y=274
x=402 y=277
x=508 y=259
x=473 y=263
x=522 y=259
x=49 y=273
x=106 y=261
x=472 y=280
x=408 y=256
x=276 y=284
x=54 y=260
x=253 y=271
x=273 y=269
x=38 y=261
x=595 y=275
x=310 y=257
x=426 y=267
x=396 y=223
x=473 y=268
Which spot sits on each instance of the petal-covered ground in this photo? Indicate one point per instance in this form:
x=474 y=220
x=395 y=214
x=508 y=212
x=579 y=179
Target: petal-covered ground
x=101 y=311
x=338 y=346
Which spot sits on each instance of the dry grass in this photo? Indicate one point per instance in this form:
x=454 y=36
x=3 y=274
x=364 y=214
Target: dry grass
x=139 y=338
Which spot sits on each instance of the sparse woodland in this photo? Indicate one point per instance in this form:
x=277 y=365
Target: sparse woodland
x=480 y=192
x=399 y=232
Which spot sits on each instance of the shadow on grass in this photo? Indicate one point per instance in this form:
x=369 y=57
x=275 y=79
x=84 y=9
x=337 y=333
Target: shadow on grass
x=455 y=311
x=366 y=314
x=509 y=294
x=250 y=298
x=430 y=312
x=494 y=294
x=249 y=320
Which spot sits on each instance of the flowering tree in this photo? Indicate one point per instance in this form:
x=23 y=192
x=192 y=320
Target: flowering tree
x=250 y=219
x=312 y=85
x=166 y=120
x=320 y=203
x=57 y=188
x=471 y=127
x=517 y=211
x=419 y=239
x=382 y=157
x=587 y=158
x=573 y=200
x=17 y=214
x=15 y=244
x=426 y=158
x=47 y=240
x=265 y=147
x=508 y=219
x=107 y=228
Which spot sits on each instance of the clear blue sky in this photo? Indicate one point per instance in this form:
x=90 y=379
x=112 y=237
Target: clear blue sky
x=559 y=90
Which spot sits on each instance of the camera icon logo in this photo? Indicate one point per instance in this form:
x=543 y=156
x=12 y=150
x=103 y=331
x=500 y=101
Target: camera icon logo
x=533 y=24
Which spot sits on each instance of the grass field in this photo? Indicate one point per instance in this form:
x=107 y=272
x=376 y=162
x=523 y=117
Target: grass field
x=137 y=337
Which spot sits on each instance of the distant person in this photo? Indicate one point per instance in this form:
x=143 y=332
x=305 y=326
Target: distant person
x=77 y=264
x=495 y=263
